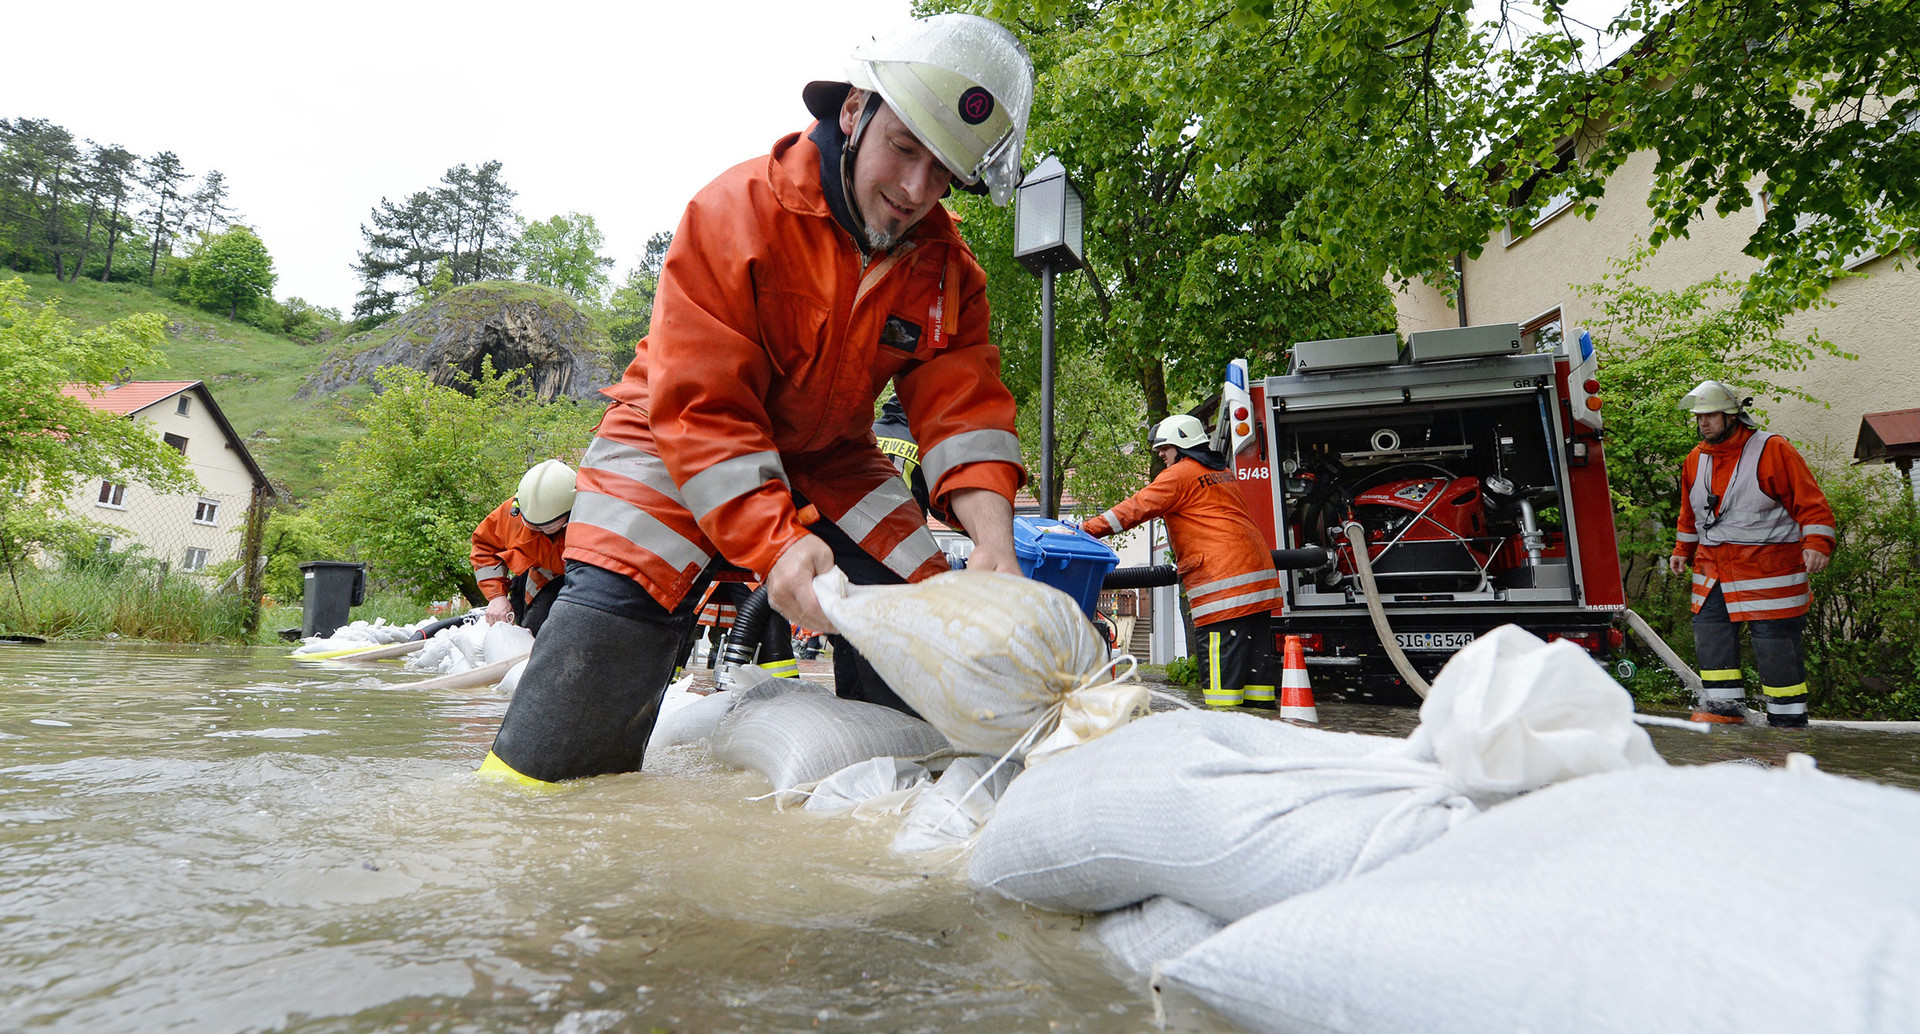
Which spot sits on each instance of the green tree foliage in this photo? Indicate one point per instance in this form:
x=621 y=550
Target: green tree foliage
x=51 y=443
x=467 y=221
x=1816 y=103
x=231 y=269
x=293 y=537
x=564 y=252
x=1099 y=435
x=630 y=310
x=164 y=176
x=407 y=494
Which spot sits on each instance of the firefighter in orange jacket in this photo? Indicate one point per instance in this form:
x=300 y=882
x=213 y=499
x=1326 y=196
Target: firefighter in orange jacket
x=517 y=549
x=1754 y=526
x=1225 y=565
x=797 y=285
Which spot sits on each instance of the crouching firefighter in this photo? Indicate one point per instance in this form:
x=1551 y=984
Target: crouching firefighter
x=797 y=286
x=517 y=549
x=1754 y=526
x=1225 y=565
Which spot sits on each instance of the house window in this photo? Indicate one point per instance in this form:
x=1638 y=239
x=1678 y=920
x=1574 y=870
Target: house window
x=113 y=495
x=184 y=405
x=1562 y=160
x=175 y=440
x=206 y=511
x=1541 y=333
x=196 y=560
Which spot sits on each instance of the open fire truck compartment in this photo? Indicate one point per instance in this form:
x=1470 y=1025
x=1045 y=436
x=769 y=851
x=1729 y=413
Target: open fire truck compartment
x=1482 y=494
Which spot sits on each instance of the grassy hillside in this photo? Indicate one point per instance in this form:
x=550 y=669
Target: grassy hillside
x=252 y=374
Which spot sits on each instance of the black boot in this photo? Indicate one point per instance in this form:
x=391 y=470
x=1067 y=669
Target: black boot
x=588 y=699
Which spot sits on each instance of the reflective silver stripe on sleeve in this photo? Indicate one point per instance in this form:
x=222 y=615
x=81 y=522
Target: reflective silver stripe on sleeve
x=1197 y=591
x=1215 y=607
x=1756 y=584
x=481 y=574
x=546 y=575
x=877 y=506
x=1754 y=606
x=1113 y=521
x=1686 y=536
x=638 y=527
x=1818 y=529
x=728 y=480
x=631 y=463
x=914 y=550
x=969 y=447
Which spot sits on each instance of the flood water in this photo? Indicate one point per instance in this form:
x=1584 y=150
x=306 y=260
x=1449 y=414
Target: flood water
x=227 y=840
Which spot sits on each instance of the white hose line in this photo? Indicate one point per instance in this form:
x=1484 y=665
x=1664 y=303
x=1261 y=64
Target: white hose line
x=485 y=675
x=1357 y=538
x=1664 y=652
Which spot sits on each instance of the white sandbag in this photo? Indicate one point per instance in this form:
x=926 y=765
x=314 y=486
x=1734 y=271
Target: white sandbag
x=689 y=717
x=994 y=661
x=1700 y=899
x=1226 y=812
x=511 y=680
x=1142 y=936
x=891 y=779
x=947 y=814
x=504 y=641
x=799 y=737
x=454 y=650
x=1511 y=713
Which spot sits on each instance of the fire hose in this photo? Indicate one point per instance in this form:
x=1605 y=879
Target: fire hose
x=1357 y=538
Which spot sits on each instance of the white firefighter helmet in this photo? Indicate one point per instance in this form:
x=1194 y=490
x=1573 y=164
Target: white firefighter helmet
x=961 y=83
x=546 y=492
x=1181 y=432
x=1717 y=397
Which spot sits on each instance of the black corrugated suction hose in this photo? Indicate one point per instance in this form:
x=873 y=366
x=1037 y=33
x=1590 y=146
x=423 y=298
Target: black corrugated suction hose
x=749 y=622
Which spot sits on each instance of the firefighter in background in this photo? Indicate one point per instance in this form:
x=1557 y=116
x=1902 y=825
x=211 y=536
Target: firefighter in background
x=799 y=283
x=518 y=547
x=1225 y=565
x=1754 y=526
x=895 y=437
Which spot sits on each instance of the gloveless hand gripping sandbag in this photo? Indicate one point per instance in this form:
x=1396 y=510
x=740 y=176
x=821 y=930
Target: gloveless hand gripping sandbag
x=998 y=663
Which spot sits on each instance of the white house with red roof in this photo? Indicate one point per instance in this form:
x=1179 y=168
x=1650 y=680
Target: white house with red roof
x=192 y=531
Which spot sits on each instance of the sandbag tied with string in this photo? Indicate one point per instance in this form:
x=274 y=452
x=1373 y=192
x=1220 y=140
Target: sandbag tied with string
x=1000 y=664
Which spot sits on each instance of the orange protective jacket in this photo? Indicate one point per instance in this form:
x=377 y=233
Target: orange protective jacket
x=1225 y=564
x=504 y=546
x=1760 y=581
x=771 y=338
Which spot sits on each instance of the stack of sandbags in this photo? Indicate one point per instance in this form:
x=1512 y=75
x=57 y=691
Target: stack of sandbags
x=1228 y=813
x=1717 y=898
x=795 y=736
x=1231 y=813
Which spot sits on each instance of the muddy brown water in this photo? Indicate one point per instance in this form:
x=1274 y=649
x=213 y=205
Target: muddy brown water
x=229 y=840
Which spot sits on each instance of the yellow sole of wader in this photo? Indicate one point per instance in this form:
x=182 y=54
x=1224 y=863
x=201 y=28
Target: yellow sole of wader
x=494 y=770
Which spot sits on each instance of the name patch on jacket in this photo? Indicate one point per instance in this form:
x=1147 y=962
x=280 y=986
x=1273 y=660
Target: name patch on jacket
x=900 y=334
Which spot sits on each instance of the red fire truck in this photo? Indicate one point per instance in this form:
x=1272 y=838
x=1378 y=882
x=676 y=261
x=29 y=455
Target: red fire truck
x=1474 y=466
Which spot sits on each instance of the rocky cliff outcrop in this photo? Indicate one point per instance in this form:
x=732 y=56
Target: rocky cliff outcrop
x=518 y=326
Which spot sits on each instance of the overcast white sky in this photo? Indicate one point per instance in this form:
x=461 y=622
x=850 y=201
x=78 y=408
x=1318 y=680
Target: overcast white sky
x=316 y=110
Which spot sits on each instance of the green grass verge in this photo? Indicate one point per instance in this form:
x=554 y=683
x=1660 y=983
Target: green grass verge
x=130 y=604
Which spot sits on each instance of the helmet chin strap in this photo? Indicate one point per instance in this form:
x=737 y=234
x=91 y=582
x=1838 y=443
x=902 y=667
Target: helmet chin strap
x=847 y=155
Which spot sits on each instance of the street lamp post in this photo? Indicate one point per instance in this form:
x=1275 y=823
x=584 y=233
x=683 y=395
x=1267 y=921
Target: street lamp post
x=1048 y=238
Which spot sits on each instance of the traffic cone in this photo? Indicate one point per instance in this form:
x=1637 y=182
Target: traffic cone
x=1296 y=696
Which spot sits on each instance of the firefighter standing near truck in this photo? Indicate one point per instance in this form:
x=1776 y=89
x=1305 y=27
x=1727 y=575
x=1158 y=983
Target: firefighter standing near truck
x=798 y=284
x=1225 y=565
x=517 y=549
x=1754 y=525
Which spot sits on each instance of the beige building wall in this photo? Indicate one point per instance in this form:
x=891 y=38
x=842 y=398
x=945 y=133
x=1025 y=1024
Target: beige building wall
x=168 y=526
x=1523 y=279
